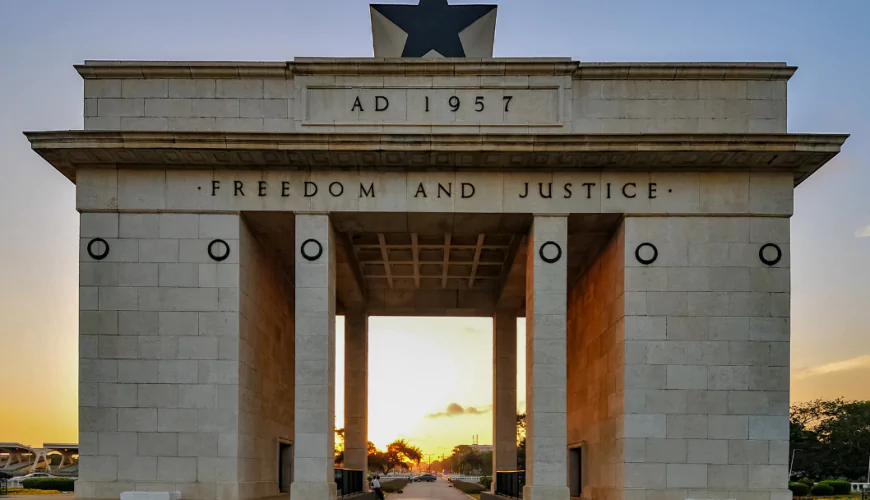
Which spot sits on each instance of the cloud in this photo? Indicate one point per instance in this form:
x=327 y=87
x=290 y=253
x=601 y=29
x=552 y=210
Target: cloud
x=863 y=232
x=456 y=410
x=846 y=379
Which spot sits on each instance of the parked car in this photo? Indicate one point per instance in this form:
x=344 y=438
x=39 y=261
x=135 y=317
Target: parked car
x=425 y=477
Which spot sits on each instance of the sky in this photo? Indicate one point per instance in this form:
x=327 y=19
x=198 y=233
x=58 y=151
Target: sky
x=39 y=90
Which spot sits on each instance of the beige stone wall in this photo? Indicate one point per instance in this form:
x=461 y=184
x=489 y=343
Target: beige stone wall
x=541 y=104
x=266 y=347
x=596 y=345
x=679 y=106
x=706 y=359
x=158 y=356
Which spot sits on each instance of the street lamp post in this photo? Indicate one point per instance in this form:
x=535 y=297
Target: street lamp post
x=791 y=465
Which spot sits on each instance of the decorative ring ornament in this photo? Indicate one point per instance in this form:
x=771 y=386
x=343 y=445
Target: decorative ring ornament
x=770 y=262
x=213 y=255
x=649 y=261
x=311 y=257
x=98 y=256
x=550 y=260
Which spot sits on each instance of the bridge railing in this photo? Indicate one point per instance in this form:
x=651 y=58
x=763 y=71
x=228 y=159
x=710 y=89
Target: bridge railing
x=510 y=483
x=349 y=481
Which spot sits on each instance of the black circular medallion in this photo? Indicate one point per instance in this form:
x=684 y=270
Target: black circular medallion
x=770 y=262
x=216 y=244
x=550 y=260
x=650 y=260
x=98 y=256
x=311 y=256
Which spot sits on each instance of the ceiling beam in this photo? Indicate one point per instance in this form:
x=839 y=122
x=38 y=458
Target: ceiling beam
x=416 y=260
x=446 y=260
x=511 y=292
x=480 y=238
x=352 y=292
x=385 y=255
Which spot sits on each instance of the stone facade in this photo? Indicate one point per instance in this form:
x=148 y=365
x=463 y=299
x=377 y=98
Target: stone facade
x=557 y=96
x=637 y=216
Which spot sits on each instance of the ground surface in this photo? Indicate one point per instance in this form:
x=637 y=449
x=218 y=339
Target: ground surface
x=439 y=490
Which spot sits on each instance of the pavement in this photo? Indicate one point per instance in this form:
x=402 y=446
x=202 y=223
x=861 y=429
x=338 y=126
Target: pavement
x=438 y=490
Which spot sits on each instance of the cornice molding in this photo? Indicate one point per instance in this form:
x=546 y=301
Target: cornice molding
x=801 y=154
x=426 y=67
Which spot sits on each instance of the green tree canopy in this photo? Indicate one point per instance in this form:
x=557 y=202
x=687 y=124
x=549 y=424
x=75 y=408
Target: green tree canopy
x=830 y=439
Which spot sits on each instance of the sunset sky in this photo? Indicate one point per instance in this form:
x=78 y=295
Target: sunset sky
x=420 y=366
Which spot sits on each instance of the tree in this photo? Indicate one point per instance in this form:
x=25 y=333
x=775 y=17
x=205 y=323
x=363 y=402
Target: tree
x=338 y=454
x=832 y=439
x=402 y=454
x=521 y=441
x=378 y=461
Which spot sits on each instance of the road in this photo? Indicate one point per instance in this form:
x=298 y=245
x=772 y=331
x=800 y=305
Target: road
x=439 y=490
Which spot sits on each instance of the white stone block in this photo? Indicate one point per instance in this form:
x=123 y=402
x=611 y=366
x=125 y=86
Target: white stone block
x=707 y=451
x=137 y=469
x=98 y=419
x=178 y=323
x=728 y=427
x=645 y=426
x=158 y=444
x=121 y=444
x=641 y=475
x=220 y=372
x=687 y=475
x=197 y=396
x=137 y=323
x=687 y=426
x=103 y=468
x=179 y=275
x=111 y=107
x=98 y=225
x=198 y=348
x=686 y=377
x=197 y=444
x=240 y=88
x=93 y=370
x=142 y=189
x=177 y=371
x=134 y=274
x=176 y=420
x=176 y=469
x=144 y=88
x=748 y=452
x=137 y=419
x=157 y=396
x=118 y=298
x=98 y=274
x=137 y=371
x=218 y=226
x=666 y=451
x=727 y=476
x=768 y=427
x=118 y=347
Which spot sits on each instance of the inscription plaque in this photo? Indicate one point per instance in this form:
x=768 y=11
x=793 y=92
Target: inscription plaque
x=433 y=106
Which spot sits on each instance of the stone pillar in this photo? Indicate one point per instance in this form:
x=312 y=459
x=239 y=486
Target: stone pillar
x=706 y=357
x=356 y=354
x=314 y=406
x=504 y=391
x=546 y=382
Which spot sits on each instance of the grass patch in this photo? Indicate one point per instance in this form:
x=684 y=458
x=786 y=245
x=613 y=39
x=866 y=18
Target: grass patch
x=30 y=491
x=394 y=485
x=469 y=488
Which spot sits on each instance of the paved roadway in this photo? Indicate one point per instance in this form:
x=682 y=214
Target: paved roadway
x=439 y=490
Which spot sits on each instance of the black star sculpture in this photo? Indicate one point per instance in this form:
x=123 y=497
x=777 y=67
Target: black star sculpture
x=433 y=25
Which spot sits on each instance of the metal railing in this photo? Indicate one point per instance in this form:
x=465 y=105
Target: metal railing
x=510 y=483
x=3 y=488
x=349 y=481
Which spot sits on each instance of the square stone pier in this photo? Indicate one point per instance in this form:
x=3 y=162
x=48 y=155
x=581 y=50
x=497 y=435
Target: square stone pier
x=635 y=215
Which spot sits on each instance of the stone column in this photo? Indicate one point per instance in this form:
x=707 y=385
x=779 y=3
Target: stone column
x=504 y=390
x=314 y=406
x=356 y=354
x=546 y=379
